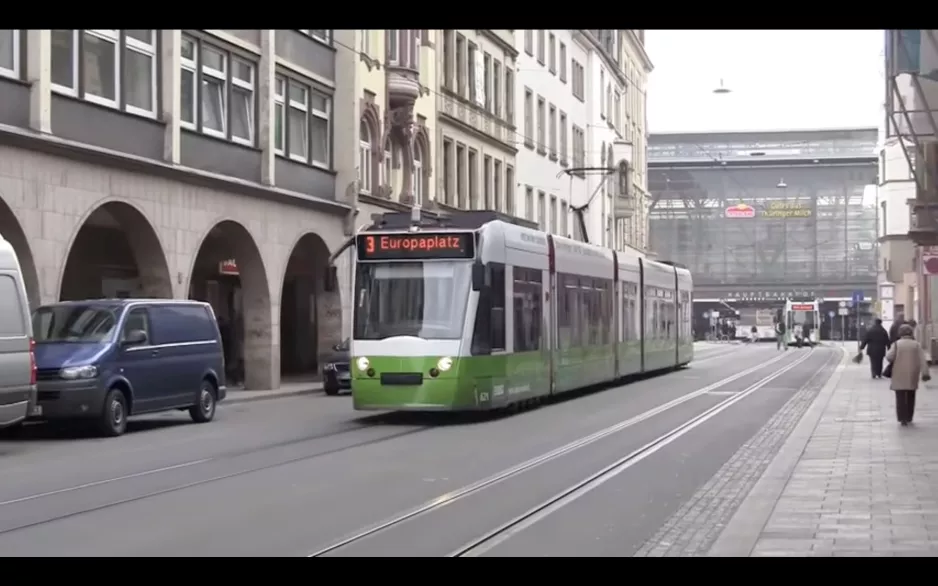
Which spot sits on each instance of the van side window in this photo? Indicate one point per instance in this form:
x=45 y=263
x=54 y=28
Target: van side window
x=11 y=309
x=136 y=320
x=179 y=323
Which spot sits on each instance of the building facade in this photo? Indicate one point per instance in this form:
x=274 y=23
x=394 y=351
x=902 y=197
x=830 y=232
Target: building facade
x=476 y=132
x=180 y=163
x=759 y=217
x=553 y=113
x=614 y=81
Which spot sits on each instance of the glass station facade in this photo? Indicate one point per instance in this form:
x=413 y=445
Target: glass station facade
x=798 y=224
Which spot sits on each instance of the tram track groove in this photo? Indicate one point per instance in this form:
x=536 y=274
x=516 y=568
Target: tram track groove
x=514 y=471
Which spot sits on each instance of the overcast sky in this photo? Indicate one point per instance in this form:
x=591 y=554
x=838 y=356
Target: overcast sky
x=779 y=79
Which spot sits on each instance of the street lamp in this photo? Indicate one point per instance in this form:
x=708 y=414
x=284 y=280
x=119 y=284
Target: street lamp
x=781 y=184
x=722 y=89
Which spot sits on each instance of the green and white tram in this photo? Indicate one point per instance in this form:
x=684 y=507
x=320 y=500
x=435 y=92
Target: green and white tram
x=476 y=312
x=801 y=315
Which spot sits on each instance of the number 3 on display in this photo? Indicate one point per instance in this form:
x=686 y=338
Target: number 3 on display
x=370 y=244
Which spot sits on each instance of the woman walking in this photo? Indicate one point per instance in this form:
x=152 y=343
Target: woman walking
x=909 y=364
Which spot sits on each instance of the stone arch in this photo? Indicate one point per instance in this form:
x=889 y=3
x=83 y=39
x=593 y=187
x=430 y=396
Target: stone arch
x=115 y=252
x=310 y=307
x=12 y=231
x=228 y=271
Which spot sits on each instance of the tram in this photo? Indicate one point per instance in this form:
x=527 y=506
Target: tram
x=478 y=311
x=799 y=315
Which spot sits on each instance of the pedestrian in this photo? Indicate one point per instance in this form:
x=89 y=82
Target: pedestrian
x=876 y=342
x=754 y=334
x=909 y=364
x=894 y=328
x=780 y=335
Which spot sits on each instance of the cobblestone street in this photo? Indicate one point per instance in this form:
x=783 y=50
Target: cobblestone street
x=849 y=481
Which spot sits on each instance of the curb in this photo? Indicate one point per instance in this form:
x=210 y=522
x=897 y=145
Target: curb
x=270 y=396
x=744 y=528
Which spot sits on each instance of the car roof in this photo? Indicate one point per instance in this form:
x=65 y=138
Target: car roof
x=121 y=302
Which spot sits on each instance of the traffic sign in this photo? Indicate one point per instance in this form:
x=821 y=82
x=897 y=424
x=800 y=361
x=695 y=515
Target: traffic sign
x=843 y=311
x=843 y=304
x=831 y=313
x=857 y=297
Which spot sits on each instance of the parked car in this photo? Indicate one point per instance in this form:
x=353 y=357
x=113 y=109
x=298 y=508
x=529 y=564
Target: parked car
x=335 y=370
x=17 y=360
x=107 y=359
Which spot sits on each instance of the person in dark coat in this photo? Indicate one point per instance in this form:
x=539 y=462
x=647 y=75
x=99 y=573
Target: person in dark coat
x=894 y=328
x=876 y=341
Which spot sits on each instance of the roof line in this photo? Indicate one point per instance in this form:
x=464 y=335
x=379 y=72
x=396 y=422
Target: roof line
x=767 y=131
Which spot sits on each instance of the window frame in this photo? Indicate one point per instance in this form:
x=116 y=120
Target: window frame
x=365 y=160
x=326 y=37
x=198 y=69
x=17 y=70
x=283 y=100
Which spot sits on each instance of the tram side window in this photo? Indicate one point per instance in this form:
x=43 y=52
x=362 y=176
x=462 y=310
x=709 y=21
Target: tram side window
x=606 y=317
x=624 y=318
x=527 y=309
x=566 y=317
x=489 y=329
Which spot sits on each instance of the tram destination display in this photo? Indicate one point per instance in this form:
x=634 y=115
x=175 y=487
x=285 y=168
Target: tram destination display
x=416 y=246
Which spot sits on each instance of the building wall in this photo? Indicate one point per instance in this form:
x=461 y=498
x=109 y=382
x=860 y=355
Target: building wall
x=72 y=145
x=476 y=121
x=544 y=194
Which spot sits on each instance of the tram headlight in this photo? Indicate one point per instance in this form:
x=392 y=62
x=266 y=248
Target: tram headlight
x=444 y=364
x=362 y=363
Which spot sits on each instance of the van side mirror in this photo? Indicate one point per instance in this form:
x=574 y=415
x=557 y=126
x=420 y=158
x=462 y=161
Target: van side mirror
x=337 y=347
x=135 y=337
x=478 y=276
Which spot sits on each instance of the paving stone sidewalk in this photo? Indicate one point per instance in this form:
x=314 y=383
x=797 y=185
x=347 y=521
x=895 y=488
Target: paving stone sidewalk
x=853 y=482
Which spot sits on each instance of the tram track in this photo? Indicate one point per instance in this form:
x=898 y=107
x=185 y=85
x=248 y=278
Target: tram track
x=476 y=488
x=225 y=459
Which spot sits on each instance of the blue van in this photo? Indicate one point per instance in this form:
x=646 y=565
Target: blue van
x=107 y=359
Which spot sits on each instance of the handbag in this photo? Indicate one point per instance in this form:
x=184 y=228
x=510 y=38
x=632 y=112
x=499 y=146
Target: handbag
x=858 y=358
x=887 y=372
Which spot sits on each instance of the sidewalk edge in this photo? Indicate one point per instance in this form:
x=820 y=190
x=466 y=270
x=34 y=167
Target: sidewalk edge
x=740 y=535
x=270 y=396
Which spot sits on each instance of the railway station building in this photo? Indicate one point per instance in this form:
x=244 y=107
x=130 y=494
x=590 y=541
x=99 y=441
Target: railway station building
x=760 y=217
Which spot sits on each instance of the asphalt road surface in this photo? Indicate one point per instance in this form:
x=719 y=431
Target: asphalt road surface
x=307 y=475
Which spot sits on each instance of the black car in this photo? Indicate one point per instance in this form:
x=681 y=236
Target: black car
x=335 y=370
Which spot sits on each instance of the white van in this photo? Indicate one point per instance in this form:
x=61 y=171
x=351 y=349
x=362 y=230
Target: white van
x=17 y=358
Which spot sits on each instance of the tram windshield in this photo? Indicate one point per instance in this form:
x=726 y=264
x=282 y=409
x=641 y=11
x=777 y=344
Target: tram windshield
x=802 y=318
x=422 y=299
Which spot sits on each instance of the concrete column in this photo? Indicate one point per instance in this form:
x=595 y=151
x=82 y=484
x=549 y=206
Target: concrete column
x=261 y=340
x=39 y=76
x=266 y=86
x=170 y=98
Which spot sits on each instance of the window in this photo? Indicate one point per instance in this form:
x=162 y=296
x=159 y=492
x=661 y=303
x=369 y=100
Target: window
x=323 y=35
x=461 y=65
x=10 y=53
x=617 y=110
x=489 y=330
x=473 y=90
x=487 y=184
x=563 y=137
x=579 y=146
x=115 y=68
x=528 y=117
x=529 y=42
x=417 y=181
x=365 y=160
x=487 y=83
x=540 y=47
x=509 y=189
x=448 y=58
x=461 y=176
x=226 y=79
x=509 y=96
x=529 y=202
x=473 y=182
x=402 y=48
x=12 y=324
x=553 y=214
x=563 y=63
x=497 y=185
x=608 y=100
x=496 y=88
x=553 y=131
x=577 y=81
x=541 y=125
x=602 y=102
x=552 y=53
x=527 y=297
x=301 y=118
x=541 y=211
x=449 y=170
x=366 y=41
x=563 y=218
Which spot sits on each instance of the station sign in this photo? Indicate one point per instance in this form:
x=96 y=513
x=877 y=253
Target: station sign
x=740 y=210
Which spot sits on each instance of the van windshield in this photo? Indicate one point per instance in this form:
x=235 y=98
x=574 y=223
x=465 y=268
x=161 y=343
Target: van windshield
x=74 y=323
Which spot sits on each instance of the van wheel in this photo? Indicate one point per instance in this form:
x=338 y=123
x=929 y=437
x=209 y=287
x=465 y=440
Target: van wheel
x=204 y=410
x=113 y=419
